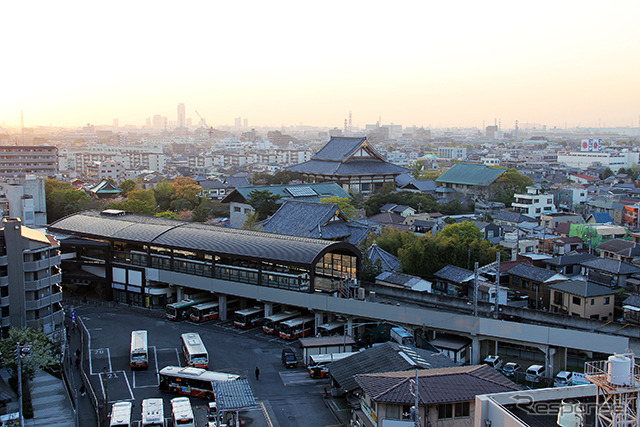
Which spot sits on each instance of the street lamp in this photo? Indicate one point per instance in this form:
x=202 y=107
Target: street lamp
x=21 y=351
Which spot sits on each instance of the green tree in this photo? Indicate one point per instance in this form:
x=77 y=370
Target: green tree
x=508 y=184
x=608 y=172
x=202 y=212
x=43 y=353
x=264 y=202
x=388 y=187
x=146 y=196
x=251 y=223
x=127 y=186
x=168 y=214
x=344 y=204
x=163 y=193
x=62 y=200
x=462 y=232
x=134 y=206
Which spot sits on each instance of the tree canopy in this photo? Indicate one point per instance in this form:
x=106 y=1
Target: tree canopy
x=63 y=200
x=264 y=202
x=459 y=244
x=344 y=204
x=42 y=351
x=508 y=184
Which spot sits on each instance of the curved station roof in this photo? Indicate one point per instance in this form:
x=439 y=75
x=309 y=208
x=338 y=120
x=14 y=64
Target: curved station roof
x=123 y=226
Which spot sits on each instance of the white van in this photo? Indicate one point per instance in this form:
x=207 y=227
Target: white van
x=535 y=373
x=182 y=412
x=121 y=414
x=567 y=378
x=494 y=361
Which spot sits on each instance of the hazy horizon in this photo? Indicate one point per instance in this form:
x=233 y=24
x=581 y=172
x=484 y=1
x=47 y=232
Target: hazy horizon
x=561 y=64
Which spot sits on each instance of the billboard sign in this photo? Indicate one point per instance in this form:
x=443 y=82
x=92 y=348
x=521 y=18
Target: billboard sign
x=591 y=145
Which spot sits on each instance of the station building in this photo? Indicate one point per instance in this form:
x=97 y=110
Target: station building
x=149 y=261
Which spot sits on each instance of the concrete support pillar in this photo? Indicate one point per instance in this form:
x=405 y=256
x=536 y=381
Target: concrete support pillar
x=222 y=306
x=318 y=321
x=488 y=347
x=349 y=327
x=557 y=360
x=268 y=309
x=475 y=350
x=179 y=293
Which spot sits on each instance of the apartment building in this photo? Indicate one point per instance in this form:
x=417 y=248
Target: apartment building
x=18 y=161
x=534 y=203
x=30 y=275
x=24 y=198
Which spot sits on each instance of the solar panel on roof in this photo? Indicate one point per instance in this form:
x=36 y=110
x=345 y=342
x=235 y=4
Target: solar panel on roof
x=304 y=191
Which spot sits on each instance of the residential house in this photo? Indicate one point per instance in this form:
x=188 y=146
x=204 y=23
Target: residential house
x=240 y=209
x=631 y=307
x=474 y=181
x=385 y=357
x=583 y=299
x=315 y=220
x=488 y=208
x=213 y=189
x=446 y=397
x=533 y=282
x=568 y=264
x=583 y=179
x=424 y=226
x=449 y=279
x=603 y=205
x=534 y=203
x=394 y=279
x=389 y=219
x=512 y=218
x=402 y=210
x=609 y=272
x=568 y=197
x=565 y=245
x=599 y=218
x=621 y=250
x=490 y=231
x=384 y=259
x=455 y=347
x=553 y=219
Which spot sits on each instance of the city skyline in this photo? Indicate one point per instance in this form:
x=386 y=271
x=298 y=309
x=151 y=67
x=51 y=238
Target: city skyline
x=561 y=64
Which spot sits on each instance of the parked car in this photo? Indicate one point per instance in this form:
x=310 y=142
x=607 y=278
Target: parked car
x=289 y=358
x=535 y=373
x=511 y=369
x=212 y=411
x=494 y=361
x=567 y=378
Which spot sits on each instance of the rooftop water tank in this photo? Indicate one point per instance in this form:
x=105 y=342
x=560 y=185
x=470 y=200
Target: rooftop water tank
x=619 y=370
x=570 y=414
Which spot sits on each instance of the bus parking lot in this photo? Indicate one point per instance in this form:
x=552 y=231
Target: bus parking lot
x=284 y=397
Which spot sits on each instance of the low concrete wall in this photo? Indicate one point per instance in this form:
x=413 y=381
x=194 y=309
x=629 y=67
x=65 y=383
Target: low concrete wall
x=486 y=309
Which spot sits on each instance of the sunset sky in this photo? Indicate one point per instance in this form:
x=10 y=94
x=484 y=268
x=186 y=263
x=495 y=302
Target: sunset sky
x=422 y=63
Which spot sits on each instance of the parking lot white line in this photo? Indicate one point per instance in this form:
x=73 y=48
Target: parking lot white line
x=128 y=385
x=97 y=351
x=88 y=341
x=109 y=359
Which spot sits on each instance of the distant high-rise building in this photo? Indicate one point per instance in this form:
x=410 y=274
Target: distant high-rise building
x=158 y=122
x=245 y=122
x=238 y=122
x=181 y=115
x=492 y=131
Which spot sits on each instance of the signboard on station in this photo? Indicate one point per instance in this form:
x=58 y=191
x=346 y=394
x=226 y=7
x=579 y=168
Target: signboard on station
x=591 y=145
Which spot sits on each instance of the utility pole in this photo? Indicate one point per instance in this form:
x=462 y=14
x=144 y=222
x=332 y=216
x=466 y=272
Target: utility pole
x=496 y=303
x=475 y=289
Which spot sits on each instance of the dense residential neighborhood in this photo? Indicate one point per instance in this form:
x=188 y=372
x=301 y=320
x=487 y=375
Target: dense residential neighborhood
x=538 y=231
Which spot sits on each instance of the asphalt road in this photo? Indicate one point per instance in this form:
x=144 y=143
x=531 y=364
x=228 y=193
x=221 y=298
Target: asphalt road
x=285 y=397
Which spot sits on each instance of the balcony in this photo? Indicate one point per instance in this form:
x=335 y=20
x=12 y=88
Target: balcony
x=44 y=302
x=34 y=285
x=42 y=263
x=46 y=322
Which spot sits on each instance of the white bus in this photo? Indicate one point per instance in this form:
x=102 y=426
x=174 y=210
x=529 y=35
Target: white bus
x=195 y=353
x=121 y=414
x=139 y=355
x=152 y=413
x=191 y=381
x=210 y=310
x=248 y=317
x=331 y=328
x=271 y=323
x=297 y=328
x=182 y=412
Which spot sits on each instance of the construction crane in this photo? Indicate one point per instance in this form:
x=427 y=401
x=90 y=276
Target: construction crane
x=206 y=125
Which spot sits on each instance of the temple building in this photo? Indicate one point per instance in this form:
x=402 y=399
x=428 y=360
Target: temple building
x=352 y=163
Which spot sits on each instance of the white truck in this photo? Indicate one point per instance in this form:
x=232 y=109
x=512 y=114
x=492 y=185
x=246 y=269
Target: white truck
x=567 y=378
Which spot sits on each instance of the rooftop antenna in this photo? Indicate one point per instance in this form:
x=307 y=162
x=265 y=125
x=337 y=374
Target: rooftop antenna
x=350 y=122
